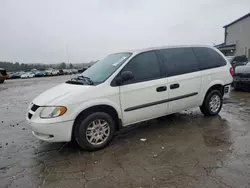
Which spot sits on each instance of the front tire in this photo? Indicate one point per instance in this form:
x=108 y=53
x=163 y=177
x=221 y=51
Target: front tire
x=95 y=131
x=212 y=103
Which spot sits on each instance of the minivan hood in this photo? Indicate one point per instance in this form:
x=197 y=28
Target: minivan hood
x=56 y=94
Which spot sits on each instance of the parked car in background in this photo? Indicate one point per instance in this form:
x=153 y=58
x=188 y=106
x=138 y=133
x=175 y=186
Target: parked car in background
x=61 y=72
x=82 y=70
x=51 y=72
x=15 y=75
x=74 y=71
x=238 y=60
x=55 y=72
x=28 y=75
x=48 y=72
x=130 y=87
x=67 y=71
x=3 y=75
x=242 y=77
x=39 y=74
x=70 y=71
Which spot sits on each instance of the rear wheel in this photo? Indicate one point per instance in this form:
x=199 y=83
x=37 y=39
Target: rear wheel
x=1 y=81
x=212 y=103
x=95 y=131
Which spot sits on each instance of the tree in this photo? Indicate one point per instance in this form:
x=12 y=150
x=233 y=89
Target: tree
x=62 y=66
x=71 y=66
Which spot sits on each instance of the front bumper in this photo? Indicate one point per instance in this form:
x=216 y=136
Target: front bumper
x=52 y=132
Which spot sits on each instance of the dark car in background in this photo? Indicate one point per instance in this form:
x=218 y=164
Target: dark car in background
x=82 y=70
x=61 y=72
x=3 y=75
x=242 y=77
x=39 y=74
x=237 y=60
x=15 y=75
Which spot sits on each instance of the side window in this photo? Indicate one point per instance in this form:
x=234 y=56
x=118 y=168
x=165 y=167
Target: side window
x=208 y=58
x=179 y=61
x=144 y=67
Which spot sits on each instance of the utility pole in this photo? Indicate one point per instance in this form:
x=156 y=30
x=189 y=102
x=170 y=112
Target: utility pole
x=67 y=53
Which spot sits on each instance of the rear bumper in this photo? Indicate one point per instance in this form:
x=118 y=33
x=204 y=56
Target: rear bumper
x=53 y=132
x=242 y=79
x=227 y=90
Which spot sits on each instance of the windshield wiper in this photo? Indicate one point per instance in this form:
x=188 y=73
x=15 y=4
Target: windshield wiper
x=85 y=78
x=74 y=82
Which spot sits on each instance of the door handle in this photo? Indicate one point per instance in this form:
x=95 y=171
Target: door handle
x=174 y=86
x=162 y=88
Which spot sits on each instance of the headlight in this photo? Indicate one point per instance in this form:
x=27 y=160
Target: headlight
x=52 y=112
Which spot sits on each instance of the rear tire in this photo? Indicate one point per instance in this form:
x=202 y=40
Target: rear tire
x=1 y=81
x=212 y=103
x=94 y=132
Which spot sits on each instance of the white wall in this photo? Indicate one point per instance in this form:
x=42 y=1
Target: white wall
x=239 y=34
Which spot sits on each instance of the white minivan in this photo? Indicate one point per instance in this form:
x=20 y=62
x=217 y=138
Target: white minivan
x=130 y=87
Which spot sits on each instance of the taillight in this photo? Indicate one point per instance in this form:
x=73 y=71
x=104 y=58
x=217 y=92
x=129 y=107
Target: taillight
x=231 y=70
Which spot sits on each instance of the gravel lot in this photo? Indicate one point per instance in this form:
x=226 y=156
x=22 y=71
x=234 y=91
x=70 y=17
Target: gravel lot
x=180 y=150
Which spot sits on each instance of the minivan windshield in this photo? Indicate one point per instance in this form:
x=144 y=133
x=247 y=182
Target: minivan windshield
x=101 y=70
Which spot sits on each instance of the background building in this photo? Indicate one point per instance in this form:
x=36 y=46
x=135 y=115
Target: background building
x=237 y=37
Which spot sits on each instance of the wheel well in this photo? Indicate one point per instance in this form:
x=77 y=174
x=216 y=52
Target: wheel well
x=218 y=87
x=100 y=108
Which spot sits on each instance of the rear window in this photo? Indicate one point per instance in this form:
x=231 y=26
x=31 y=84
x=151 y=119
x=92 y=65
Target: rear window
x=208 y=58
x=179 y=61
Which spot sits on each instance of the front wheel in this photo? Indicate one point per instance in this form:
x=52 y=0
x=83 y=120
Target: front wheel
x=95 y=131
x=212 y=103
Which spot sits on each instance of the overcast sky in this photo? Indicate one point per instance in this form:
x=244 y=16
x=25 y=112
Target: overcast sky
x=39 y=31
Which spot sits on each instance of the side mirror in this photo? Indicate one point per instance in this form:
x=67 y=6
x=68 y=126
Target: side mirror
x=125 y=76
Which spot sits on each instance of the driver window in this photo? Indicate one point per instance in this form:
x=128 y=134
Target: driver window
x=144 y=67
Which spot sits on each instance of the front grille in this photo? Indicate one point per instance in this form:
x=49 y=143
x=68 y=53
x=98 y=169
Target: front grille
x=29 y=115
x=226 y=89
x=34 y=107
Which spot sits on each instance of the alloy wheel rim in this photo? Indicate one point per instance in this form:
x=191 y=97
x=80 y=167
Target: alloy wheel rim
x=97 y=132
x=214 y=103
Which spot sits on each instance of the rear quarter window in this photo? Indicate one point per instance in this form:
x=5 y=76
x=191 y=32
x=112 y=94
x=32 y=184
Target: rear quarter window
x=208 y=58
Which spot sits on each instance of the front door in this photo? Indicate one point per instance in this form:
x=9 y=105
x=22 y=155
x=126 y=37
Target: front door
x=145 y=96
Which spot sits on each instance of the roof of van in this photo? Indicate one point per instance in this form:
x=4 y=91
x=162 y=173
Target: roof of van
x=165 y=47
